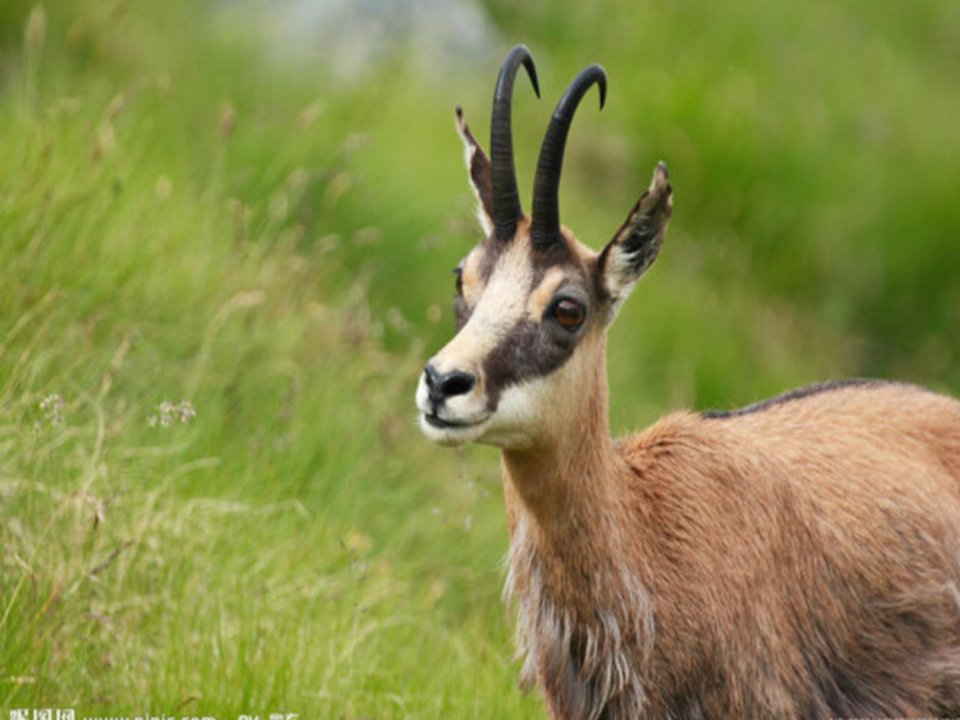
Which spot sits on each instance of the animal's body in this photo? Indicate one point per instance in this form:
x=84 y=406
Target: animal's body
x=797 y=558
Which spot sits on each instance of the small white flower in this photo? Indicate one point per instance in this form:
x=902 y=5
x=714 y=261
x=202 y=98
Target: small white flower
x=52 y=406
x=167 y=413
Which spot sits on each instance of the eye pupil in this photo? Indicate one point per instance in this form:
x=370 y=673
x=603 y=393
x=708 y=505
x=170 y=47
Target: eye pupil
x=569 y=314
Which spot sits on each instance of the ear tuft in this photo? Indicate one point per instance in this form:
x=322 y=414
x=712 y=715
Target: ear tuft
x=478 y=166
x=635 y=245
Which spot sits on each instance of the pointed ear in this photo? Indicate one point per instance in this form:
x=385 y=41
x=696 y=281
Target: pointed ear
x=478 y=167
x=635 y=245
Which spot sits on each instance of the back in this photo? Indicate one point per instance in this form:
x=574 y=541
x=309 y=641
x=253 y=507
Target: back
x=873 y=429
x=806 y=552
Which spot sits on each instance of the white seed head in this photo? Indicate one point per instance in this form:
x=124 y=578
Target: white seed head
x=168 y=413
x=52 y=407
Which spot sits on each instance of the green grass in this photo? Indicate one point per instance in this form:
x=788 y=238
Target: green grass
x=183 y=217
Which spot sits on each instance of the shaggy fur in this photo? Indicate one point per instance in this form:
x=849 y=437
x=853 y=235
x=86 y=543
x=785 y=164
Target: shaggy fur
x=587 y=662
x=802 y=560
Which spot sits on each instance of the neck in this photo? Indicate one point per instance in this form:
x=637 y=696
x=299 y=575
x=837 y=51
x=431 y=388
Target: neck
x=559 y=484
x=584 y=618
x=569 y=484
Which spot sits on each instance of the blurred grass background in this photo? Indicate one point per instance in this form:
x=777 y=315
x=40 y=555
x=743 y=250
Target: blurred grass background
x=254 y=207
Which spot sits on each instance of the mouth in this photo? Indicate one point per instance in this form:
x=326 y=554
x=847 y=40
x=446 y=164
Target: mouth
x=438 y=422
x=445 y=426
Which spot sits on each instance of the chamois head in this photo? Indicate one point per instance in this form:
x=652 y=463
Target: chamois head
x=533 y=303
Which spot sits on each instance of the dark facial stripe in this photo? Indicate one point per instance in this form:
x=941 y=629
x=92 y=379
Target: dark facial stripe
x=529 y=350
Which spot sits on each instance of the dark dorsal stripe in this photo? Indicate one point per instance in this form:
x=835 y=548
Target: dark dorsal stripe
x=802 y=393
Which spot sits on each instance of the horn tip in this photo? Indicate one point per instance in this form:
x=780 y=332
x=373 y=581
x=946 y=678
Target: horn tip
x=602 y=85
x=532 y=72
x=529 y=65
x=518 y=55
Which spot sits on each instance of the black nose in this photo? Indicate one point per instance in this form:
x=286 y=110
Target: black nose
x=443 y=386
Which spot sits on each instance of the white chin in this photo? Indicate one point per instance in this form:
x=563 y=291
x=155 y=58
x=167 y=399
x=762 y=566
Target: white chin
x=451 y=436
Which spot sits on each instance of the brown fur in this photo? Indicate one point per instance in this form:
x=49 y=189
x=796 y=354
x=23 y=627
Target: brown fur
x=801 y=561
x=797 y=559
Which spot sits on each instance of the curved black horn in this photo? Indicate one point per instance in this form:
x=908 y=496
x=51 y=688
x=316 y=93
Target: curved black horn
x=506 y=199
x=546 y=210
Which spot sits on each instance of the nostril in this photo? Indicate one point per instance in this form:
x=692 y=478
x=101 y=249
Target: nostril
x=430 y=376
x=441 y=386
x=457 y=383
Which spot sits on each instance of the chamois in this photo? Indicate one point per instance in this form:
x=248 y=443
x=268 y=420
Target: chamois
x=797 y=558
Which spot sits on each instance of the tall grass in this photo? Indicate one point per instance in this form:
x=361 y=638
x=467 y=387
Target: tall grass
x=189 y=223
x=288 y=548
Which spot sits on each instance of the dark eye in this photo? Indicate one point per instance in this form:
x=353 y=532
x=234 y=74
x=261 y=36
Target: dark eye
x=459 y=273
x=569 y=313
